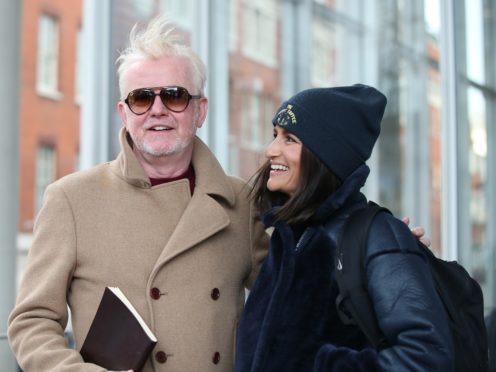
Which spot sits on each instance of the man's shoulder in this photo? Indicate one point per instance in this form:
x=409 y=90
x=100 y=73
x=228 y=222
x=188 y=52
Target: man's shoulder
x=237 y=181
x=239 y=185
x=84 y=178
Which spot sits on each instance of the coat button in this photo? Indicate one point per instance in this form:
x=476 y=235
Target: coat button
x=216 y=358
x=155 y=293
x=215 y=294
x=161 y=357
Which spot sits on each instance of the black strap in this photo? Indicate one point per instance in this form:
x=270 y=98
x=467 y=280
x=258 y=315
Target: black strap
x=353 y=303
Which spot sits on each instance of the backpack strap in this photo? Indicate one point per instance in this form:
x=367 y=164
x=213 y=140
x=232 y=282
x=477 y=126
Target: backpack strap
x=353 y=303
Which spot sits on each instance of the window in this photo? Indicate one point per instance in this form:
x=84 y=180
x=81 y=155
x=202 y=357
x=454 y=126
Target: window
x=259 y=31
x=48 y=57
x=323 y=55
x=248 y=119
x=45 y=172
x=256 y=120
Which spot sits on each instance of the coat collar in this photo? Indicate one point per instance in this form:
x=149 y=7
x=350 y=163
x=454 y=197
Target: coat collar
x=206 y=209
x=348 y=193
x=210 y=177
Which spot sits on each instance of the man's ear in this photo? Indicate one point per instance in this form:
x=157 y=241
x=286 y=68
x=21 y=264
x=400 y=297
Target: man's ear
x=202 y=111
x=121 y=109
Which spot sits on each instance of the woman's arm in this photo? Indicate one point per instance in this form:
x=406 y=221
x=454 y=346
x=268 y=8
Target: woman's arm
x=408 y=309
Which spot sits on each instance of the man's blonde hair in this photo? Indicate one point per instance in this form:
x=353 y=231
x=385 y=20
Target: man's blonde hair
x=158 y=40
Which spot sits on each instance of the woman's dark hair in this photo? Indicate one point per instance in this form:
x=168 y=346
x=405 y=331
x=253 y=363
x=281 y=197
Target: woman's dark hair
x=315 y=185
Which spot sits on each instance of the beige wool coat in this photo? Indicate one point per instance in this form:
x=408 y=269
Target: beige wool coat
x=183 y=261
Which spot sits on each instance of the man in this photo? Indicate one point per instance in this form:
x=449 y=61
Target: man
x=162 y=222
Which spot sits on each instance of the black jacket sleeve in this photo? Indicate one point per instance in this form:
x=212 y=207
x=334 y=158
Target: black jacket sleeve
x=408 y=309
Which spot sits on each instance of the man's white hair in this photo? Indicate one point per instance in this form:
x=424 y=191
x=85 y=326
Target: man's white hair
x=158 y=40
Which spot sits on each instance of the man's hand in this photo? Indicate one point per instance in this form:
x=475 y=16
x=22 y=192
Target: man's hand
x=418 y=232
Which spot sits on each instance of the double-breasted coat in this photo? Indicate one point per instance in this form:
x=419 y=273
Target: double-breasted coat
x=182 y=260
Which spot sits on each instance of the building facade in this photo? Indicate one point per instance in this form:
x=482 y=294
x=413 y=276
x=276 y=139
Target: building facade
x=49 y=101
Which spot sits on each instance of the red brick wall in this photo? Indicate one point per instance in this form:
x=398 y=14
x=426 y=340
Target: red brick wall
x=44 y=120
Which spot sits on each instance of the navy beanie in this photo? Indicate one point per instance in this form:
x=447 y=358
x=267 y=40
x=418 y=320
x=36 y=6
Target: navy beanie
x=339 y=125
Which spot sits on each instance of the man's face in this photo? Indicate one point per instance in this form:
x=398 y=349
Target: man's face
x=160 y=132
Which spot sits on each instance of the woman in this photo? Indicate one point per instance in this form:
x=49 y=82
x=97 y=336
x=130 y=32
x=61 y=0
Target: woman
x=306 y=190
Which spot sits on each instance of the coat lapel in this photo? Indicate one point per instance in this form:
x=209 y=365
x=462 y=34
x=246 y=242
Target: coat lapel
x=205 y=214
x=203 y=218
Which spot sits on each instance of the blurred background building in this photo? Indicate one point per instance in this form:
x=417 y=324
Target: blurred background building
x=435 y=60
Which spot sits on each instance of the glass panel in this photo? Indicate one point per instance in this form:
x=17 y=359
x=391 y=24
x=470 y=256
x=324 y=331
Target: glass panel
x=144 y=8
x=477 y=106
x=478 y=181
x=474 y=41
x=324 y=54
x=432 y=17
x=48 y=55
x=259 y=31
x=180 y=11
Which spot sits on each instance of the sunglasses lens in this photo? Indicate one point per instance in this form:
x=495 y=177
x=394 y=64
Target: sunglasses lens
x=175 y=99
x=140 y=100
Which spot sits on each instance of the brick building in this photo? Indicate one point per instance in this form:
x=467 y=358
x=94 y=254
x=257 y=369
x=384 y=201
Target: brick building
x=49 y=102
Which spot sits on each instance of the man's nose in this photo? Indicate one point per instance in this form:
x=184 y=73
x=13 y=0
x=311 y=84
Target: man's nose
x=158 y=106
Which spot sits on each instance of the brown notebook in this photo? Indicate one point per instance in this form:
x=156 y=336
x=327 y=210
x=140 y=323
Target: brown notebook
x=118 y=338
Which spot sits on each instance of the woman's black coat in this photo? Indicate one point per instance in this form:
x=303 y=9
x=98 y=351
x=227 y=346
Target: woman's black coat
x=290 y=321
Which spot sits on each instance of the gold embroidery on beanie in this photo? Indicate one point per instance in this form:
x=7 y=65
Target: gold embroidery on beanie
x=286 y=116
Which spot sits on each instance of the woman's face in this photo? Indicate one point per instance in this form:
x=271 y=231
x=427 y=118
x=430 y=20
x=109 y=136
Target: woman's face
x=284 y=153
